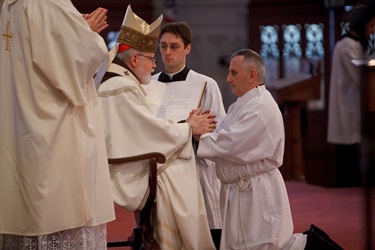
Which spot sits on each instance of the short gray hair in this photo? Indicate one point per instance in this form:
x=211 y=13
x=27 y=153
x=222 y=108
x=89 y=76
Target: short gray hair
x=125 y=56
x=252 y=59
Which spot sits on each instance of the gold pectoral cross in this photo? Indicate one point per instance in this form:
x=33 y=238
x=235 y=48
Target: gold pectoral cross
x=7 y=37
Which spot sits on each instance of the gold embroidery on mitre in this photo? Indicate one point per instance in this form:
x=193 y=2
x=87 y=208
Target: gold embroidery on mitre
x=7 y=36
x=137 y=40
x=138 y=34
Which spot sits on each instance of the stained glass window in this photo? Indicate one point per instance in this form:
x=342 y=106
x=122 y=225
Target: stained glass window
x=292 y=41
x=302 y=49
x=269 y=39
x=314 y=41
x=371 y=44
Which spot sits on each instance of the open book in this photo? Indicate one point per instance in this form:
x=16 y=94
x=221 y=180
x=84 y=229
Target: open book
x=174 y=100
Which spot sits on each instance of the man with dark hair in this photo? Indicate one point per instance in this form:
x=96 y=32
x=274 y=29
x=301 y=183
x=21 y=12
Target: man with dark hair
x=175 y=45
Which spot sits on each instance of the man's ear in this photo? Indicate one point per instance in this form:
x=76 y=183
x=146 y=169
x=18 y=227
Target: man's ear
x=187 y=49
x=253 y=74
x=133 y=60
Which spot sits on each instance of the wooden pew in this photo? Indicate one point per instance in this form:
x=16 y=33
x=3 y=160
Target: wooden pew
x=292 y=93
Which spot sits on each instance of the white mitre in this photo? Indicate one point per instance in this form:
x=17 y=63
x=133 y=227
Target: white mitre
x=134 y=33
x=137 y=34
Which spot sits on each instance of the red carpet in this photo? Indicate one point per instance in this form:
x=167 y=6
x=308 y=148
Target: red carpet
x=121 y=228
x=340 y=212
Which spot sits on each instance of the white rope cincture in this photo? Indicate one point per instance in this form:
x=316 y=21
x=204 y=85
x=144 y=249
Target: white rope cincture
x=244 y=185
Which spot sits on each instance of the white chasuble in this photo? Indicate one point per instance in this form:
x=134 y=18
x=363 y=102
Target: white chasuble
x=53 y=169
x=131 y=129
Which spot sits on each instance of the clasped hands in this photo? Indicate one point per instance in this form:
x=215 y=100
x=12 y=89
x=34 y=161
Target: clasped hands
x=97 y=20
x=201 y=122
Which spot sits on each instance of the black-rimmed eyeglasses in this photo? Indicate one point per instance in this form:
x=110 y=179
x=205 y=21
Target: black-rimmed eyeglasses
x=173 y=46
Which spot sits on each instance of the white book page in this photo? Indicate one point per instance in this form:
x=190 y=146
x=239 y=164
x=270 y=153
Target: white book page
x=178 y=99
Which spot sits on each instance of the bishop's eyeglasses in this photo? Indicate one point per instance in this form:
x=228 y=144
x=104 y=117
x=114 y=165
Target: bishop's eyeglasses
x=153 y=59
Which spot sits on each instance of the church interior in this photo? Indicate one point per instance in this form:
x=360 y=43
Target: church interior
x=296 y=40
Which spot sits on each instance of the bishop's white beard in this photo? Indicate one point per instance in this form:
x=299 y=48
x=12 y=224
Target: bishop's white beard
x=145 y=79
x=143 y=75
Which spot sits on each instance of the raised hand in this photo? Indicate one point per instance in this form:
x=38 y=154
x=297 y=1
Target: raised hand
x=97 y=20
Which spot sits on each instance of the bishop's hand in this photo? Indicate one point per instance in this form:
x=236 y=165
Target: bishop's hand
x=201 y=122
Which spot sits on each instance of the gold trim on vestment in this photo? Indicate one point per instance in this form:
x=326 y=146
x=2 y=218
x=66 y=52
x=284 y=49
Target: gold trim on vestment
x=164 y=237
x=7 y=36
x=137 y=40
x=175 y=154
x=116 y=91
x=144 y=200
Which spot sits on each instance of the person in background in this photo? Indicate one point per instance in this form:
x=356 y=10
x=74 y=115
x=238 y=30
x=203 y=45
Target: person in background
x=54 y=179
x=175 y=45
x=248 y=147
x=344 y=113
x=131 y=128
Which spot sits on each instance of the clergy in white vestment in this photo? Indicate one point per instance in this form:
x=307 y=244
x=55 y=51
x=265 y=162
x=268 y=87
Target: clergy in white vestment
x=131 y=128
x=175 y=45
x=54 y=178
x=247 y=147
x=344 y=110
